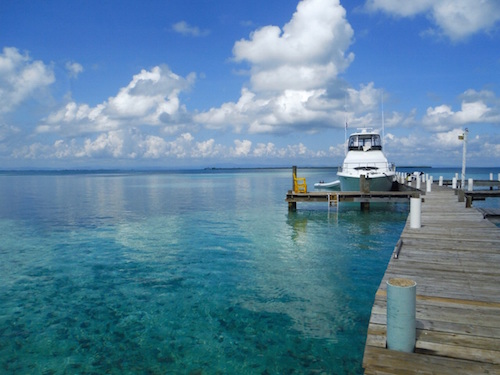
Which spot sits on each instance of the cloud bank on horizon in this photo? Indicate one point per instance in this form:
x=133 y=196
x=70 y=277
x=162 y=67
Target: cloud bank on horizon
x=297 y=90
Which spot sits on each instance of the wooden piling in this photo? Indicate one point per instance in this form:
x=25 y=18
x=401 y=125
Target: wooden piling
x=292 y=206
x=294 y=173
x=364 y=187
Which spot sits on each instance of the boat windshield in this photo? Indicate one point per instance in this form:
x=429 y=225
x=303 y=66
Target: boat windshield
x=365 y=142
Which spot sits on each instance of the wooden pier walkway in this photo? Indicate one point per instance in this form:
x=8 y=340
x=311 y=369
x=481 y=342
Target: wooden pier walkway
x=351 y=196
x=455 y=259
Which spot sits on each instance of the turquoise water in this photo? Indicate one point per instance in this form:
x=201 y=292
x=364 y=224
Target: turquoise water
x=201 y=272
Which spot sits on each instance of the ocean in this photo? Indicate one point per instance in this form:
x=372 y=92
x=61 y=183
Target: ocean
x=186 y=272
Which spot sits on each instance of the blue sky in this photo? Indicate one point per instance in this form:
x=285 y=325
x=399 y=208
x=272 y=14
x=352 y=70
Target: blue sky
x=198 y=83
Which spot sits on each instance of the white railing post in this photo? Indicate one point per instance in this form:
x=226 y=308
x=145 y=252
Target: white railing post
x=470 y=185
x=415 y=212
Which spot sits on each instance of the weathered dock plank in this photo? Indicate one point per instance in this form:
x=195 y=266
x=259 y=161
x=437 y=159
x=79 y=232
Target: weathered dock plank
x=386 y=362
x=454 y=259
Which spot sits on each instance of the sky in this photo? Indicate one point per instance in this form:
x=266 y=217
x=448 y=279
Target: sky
x=200 y=83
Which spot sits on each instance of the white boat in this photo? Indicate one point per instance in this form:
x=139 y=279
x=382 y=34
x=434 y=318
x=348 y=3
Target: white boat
x=365 y=157
x=334 y=185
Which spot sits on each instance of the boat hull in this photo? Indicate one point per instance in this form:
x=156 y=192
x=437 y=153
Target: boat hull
x=334 y=185
x=382 y=183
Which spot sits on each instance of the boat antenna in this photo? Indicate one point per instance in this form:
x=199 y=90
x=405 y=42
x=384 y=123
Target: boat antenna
x=345 y=127
x=383 y=121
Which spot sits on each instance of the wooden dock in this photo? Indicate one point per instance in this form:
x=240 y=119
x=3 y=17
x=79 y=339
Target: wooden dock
x=299 y=193
x=454 y=258
x=483 y=183
x=351 y=196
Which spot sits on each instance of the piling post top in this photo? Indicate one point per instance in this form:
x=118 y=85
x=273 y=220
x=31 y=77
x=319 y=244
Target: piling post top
x=401 y=282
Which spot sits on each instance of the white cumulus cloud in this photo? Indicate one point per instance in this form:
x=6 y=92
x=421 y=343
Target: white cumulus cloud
x=242 y=148
x=291 y=72
x=448 y=140
x=265 y=150
x=308 y=52
x=476 y=108
x=457 y=19
x=151 y=98
x=74 y=69
x=21 y=78
x=184 y=28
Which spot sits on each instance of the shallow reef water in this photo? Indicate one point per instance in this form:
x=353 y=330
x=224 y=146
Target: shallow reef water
x=197 y=272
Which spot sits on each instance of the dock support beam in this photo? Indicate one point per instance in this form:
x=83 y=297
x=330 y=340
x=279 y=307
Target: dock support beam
x=292 y=206
x=468 y=202
x=294 y=173
x=364 y=187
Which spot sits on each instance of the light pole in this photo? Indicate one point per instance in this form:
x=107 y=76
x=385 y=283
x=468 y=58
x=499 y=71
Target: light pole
x=463 y=137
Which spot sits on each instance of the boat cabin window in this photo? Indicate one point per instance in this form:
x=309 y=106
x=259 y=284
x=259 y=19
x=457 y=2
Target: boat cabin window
x=365 y=142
